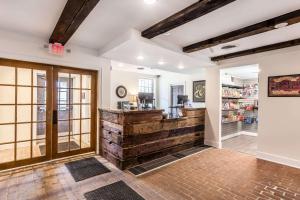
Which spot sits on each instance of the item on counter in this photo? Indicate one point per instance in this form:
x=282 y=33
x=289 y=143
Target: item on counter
x=165 y=115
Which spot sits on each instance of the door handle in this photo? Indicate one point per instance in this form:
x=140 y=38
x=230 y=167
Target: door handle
x=54 y=117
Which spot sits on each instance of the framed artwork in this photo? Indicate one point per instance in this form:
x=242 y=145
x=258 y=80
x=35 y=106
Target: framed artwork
x=198 y=91
x=121 y=91
x=284 y=86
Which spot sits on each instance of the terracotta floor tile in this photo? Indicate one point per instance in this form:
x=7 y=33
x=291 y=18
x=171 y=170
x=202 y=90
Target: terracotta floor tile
x=209 y=175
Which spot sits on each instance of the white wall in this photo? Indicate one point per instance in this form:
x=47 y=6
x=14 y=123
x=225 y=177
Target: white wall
x=128 y=79
x=278 y=131
x=128 y=76
x=22 y=47
x=213 y=107
x=167 y=79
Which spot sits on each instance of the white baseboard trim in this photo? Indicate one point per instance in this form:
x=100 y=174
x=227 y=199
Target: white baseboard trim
x=212 y=143
x=231 y=136
x=278 y=159
x=249 y=133
x=237 y=134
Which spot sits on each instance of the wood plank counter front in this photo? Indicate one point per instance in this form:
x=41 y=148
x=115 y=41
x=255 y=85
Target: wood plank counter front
x=128 y=138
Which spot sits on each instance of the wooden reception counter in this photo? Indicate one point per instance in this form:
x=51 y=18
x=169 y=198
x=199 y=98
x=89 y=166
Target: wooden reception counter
x=128 y=138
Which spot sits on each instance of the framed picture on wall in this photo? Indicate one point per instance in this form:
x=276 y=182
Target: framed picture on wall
x=198 y=91
x=284 y=86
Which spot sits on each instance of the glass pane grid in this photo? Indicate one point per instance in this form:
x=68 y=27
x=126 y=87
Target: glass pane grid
x=66 y=120
x=65 y=88
x=87 y=133
x=28 y=104
x=78 y=105
x=19 y=127
x=146 y=85
x=20 y=85
x=29 y=128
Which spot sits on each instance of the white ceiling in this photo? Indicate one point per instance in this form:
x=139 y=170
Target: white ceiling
x=120 y=66
x=240 y=13
x=136 y=46
x=244 y=72
x=112 y=19
x=236 y=15
x=279 y=35
x=30 y=17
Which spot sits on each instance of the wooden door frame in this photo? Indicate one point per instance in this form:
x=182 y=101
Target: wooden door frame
x=49 y=112
x=93 y=133
x=48 y=69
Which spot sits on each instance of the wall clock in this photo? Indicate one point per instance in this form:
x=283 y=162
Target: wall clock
x=121 y=91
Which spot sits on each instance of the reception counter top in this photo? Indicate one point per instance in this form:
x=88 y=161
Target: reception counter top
x=128 y=138
x=132 y=111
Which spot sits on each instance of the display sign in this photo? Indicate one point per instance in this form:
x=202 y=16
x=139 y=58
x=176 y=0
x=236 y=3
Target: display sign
x=199 y=91
x=284 y=86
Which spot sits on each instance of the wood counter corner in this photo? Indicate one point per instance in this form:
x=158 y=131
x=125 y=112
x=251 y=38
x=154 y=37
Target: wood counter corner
x=128 y=138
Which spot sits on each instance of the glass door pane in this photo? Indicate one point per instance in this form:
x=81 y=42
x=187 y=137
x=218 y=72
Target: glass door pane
x=21 y=135
x=73 y=98
x=31 y=100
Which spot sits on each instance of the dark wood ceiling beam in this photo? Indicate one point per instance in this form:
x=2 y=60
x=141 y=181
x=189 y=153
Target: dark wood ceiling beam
x=271 y=47
x=268 y=25
x=72 y=16
x=196 y=10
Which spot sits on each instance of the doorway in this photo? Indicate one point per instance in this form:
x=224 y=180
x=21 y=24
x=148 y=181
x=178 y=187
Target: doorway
x=240 y=108
x=175 y=91
x=46 y=112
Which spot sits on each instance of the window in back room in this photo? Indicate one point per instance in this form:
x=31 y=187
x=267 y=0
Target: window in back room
x=146 y=85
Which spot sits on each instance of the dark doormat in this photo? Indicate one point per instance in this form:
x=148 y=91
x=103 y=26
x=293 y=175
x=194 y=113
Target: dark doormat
x=157 y=163
x=115 y=191
x=62 y=147
x=86 y=168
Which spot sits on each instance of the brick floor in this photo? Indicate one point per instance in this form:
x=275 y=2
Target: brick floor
x=209 y=175
x=223 y=174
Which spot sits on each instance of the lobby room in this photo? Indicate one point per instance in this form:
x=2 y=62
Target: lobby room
x=149 y=99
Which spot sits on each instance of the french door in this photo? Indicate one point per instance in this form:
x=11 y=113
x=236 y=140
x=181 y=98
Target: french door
x=46 y=112
x=74 y=114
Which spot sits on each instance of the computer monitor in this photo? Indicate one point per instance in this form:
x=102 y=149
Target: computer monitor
x=182 y=99
x=146 y=97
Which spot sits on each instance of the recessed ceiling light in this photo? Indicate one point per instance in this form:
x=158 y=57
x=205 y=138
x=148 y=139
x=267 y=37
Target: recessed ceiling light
x=121 y=65
x=161 y=62
x=150 y=1
x=140 y=58
x=140 y=68
x=167 y=33
x=180 y=67
x=230 y=46
x=281 y=25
